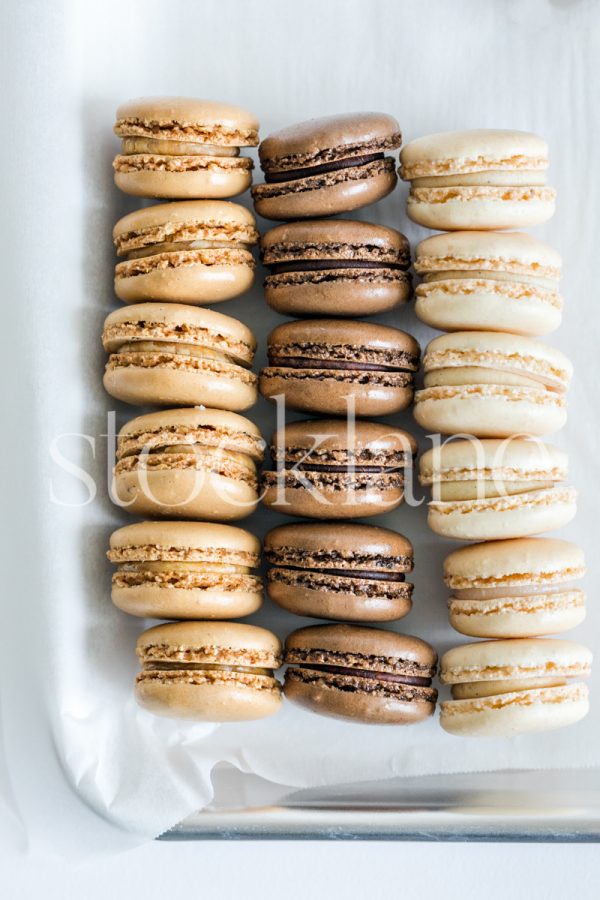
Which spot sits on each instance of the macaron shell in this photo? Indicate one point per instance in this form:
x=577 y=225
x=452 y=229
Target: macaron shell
x=335 y=393
x=228 y=702
x=338 y=598
x=153 y=601
x=345 y=294
x=495 y=661
x=194 y=284
x=215 y=122
x=341 y=546
x=164 y=386
x=516 y=616
x=331 y=503
x=213 y=182
x=480 y=208
x=545 y=563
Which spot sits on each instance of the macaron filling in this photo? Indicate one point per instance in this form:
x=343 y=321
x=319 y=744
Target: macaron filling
x=166 y=147
x=192 y=234
x=272 y=177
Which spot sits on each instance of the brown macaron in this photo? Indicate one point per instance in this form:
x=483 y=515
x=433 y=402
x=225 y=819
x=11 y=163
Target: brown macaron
x=171 y=354
x=327 y=166
x=185 y=570
x=359 y=673
x=189 y=464
x=337 y=366
x=339 y=570
x=336 y=267
x=209 y=671
x=334 y=469
x=196 y=251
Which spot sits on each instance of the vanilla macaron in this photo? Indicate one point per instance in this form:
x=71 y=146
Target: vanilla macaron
x=489 y=384
x=481 y=179
x=504 y=688
x=491 y=489
x=171 y=354
x=516 y=588
x=179 y=147
x=488 y=281
x=196 y=251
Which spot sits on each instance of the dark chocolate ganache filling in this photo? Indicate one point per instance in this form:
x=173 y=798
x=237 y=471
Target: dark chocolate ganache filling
x=322 y=265
x=304 y=362
x=367 y=673
x=293 y=174
x=353 y=573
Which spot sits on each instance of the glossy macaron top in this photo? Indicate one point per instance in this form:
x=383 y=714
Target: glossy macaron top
x=516 y=659
x=510 y=564
x=186 y=542
x=334 y=442
x=493 y=253
x=511 y=459
x=338 y=545
x=361 y=647
x=214 y=221
x=336 y=239
x=317 y=142
x=177 y=323
x=187 y=119
x=222 y=643
x=477 y=150
x=342 y=340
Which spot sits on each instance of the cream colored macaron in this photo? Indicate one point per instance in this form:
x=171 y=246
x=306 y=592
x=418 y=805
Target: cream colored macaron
x=516 y=588
x=196 y=251
x=504 y=688
x=179 y=147
x=185 y=570
x=488 y=281
x=171 y=354
x=481 y=179
x=489 y=384
x=209 y=671
x=188 y=463
x=493 y=489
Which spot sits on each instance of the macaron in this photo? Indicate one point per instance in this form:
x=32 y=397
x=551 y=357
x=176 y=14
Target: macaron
x=492 y=489
x=209 y=671
x=362 y=674
x=327 y=166
x=339 y=570
x=488 y=281
x=189 y=464
x=337 y=366
x=337 y=267
x=337 y=469
x=166 y=354
x=196 y=251
x=481 y=179
x=492 y=385
x=514 y=589
x=185 y=570
x=504 y=688
x=180 y=147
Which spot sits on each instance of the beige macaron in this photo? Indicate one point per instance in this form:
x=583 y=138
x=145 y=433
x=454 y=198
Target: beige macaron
x=504 y=688
x=196 y=251
x=493 y=489
x=492 y=385
x=516 y=588
x=209 y=671
x=179 y=147
x=488 y=281
x=170 y=354
x=188 y=463
x=480 y=179
x=185 y=570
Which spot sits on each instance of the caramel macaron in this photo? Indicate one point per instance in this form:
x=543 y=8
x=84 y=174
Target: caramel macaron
x=188 y=463
x=180 y=148
x=170 y=354
x=326 y=166
x=336 y=366
x=339 y=570
x=185 y=570
x=209 y=671
x=484 y=179
x=492 y=489
x=362 y=674
x=337 y=267
x=334 y=469
x=196 y=251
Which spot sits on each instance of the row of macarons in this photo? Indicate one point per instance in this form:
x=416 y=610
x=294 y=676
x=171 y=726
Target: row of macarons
x=182 y=148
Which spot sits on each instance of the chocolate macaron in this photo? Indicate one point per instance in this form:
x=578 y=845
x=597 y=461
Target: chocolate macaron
x=188 y=463
x=327 y=166
x=197 y=251
x=334 y=469
x=171 y=354
x=337 y=267
x=339 y=570
x=336 y=366
x=180 y=147
x=359 y=673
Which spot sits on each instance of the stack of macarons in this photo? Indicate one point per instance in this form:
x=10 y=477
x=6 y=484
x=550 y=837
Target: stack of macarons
x=191 y=467
x=490 y=382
